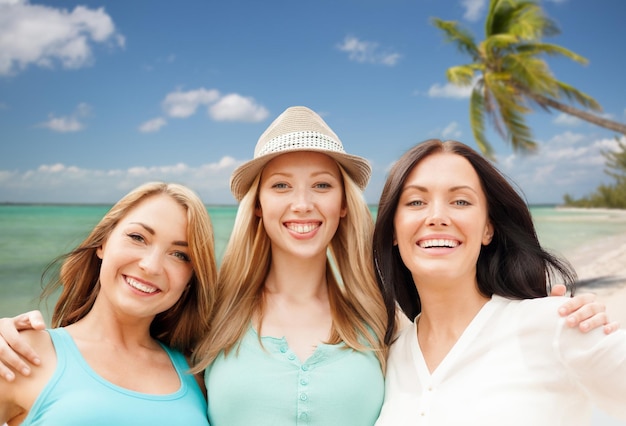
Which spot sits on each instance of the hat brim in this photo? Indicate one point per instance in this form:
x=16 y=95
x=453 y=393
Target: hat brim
x=358 y=168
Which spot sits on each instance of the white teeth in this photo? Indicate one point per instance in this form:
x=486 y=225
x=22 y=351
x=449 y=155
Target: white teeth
x=302 y=228
x=139 y=286
x=438 y=243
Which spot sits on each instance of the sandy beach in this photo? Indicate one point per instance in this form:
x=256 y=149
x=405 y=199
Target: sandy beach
x=601 y=268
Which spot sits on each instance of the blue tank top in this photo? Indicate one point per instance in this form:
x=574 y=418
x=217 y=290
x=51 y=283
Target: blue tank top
x=77 y=395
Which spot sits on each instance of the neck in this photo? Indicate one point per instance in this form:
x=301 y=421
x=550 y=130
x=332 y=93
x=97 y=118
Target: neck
x=302 y=278
x=448 y=307
x=446 y=313
x=103 y=325
x=450 y=312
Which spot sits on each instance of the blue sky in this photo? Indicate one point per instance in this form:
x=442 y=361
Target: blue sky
x=97 y=97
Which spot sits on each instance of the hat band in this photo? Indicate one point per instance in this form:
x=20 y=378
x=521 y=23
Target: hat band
x=300 y=140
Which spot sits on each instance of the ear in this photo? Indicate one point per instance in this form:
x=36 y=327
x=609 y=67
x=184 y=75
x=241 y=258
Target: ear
x=488 y=234
x=258 y=211
x=100 y=252
x=343 y=212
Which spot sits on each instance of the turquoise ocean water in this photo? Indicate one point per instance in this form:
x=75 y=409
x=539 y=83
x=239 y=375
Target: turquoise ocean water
x=33 y=235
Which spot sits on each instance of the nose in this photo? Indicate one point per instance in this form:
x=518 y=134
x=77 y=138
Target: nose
x=302 y=200
x=152 y=261
x=437 y=214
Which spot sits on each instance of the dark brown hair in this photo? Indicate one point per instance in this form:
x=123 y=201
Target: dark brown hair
x=513 y=265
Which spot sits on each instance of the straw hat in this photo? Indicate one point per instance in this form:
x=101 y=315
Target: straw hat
x=297 y=129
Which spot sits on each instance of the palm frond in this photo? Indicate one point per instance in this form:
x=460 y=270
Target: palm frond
x=552 y=50
x=576 y=95
x=454 y=33
x=477 y=121
x=518 y=133
x=531 y=74
x=505 y=92
x=500 y=42
x=461 y=75
x=529 y=22
x=491 y=108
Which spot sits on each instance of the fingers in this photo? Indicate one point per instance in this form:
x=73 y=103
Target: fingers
x=12 y=344
x=574 y=304
x=558 y=290
x=587 y=321
x=32 y=320
x=586 y=313
x=611 y=327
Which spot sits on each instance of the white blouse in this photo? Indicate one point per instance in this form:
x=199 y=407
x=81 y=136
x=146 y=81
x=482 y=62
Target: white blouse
x=517 y=363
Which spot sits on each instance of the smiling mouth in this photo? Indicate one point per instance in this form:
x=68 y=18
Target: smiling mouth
x=141 y=286
x=438 y=243
x=302 y=228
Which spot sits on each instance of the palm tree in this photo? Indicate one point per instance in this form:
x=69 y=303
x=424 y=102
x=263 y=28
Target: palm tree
x=507 y=74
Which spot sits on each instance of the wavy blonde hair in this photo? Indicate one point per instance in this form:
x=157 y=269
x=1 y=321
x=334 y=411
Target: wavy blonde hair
x=358 y=310
x=183 y=325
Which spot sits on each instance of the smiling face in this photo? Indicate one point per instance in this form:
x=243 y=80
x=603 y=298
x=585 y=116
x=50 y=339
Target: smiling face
x=441 y=220
x=145 y=260
x=301 y=202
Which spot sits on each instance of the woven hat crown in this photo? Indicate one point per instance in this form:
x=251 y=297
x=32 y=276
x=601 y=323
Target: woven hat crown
x=297 y=129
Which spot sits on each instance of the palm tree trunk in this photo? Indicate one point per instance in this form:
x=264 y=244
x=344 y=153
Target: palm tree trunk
x=583 y=115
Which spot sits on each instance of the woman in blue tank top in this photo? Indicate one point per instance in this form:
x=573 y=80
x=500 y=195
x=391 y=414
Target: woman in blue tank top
x=134 y=301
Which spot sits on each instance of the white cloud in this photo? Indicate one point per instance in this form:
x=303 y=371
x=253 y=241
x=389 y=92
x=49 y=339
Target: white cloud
x=42 y=35
x=153 y=125
x=66 y=183
x=569 y=163
x=231 y=107
x=473 y=9
x=67 y=124
x=451 y=131
x=449 y=90
x=235 y=107
x=567 y=138
x=63 y=124
x=367 y=52
x=184 y=104
x=567 y=120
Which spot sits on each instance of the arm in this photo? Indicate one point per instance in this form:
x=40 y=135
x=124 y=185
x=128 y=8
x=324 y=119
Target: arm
x=18 y=396
x=584 y=311
x=598 y=364
x=9 y=408
x=12 y=345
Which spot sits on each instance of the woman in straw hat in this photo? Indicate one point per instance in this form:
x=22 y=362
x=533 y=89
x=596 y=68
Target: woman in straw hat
x=298 y=331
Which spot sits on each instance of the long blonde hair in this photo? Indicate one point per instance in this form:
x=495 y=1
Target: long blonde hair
x=184 y=324
x=358 y=310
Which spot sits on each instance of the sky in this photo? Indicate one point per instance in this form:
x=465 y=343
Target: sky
x=97 y=97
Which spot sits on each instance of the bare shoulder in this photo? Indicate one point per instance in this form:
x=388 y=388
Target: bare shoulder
x=31 y=386
x=40 y=341
x=19 y=395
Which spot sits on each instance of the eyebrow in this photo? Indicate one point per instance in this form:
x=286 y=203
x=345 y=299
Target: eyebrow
x=453 y=189
x=317 y=173
x=152 y=232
